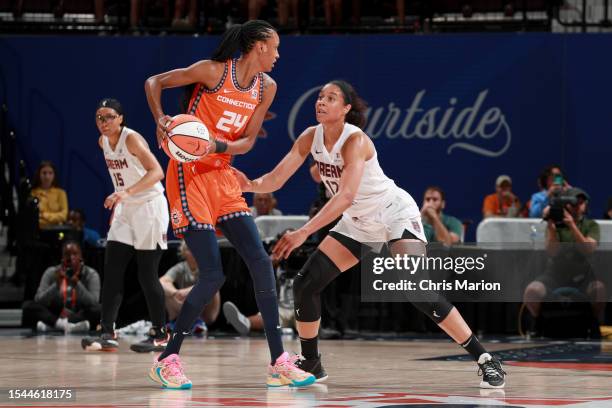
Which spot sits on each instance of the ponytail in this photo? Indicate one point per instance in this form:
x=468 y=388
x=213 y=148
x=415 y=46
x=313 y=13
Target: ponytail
x=241 y=38
x=230 y=44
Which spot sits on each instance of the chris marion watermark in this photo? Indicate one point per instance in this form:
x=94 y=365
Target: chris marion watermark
x=431 y=273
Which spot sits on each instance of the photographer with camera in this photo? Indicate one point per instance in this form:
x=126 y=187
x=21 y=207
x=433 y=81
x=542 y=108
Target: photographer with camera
x=568 y=269
x=67 y=298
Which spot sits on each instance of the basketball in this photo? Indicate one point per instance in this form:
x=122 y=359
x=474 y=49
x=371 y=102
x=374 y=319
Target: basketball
x=187 y=140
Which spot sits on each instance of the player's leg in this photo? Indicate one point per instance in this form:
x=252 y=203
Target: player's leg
x=448 y=318
x=406 y=237
x=336 y=254
x=167 y=370
x=117 y=257
x=203 y=245
x=148 y=277
x=148 y=226
x=242 y=233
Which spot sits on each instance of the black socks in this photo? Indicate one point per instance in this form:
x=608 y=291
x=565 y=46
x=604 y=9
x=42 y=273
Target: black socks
x=310 y=348
x=473 y=346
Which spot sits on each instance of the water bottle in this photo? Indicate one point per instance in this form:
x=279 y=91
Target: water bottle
x=533 y=235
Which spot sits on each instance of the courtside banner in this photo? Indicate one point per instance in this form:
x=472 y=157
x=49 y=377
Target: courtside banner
x=448 y=110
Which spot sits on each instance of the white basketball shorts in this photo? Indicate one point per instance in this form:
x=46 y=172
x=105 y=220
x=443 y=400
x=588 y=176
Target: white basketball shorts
x=141 y=225
x=397 y=212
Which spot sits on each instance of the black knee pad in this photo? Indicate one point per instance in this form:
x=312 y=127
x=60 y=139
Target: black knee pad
x=437 y=311
x=314 y=276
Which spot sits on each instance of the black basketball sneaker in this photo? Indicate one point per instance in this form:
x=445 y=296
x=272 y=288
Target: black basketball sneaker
x=312 y=366
x=493 y=376
x=156 y=340
x=101 y=342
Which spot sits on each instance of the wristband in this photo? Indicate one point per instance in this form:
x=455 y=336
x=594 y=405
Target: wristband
x=220 y=146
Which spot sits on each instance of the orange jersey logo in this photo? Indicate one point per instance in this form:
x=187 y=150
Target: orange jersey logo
x=226 y=109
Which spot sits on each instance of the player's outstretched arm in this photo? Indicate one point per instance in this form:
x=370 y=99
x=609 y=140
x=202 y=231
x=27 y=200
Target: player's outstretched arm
x=246 y=143
x=277 y=178
x=354 y=153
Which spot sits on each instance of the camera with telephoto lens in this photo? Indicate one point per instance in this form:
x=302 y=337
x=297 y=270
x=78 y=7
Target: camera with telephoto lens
x=557 y=202
x=298 y=257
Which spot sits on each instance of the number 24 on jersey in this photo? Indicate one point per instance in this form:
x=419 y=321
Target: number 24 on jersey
x=231 y=120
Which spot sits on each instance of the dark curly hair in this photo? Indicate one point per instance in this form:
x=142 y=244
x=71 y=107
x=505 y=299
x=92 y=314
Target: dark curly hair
x=357 y=115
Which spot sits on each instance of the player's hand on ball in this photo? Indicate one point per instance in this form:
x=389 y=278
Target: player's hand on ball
x=290 y=241
x=245 y=183
x=114 y=199
x=162 y=129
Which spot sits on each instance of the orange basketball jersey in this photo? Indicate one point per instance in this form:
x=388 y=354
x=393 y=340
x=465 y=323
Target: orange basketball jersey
x=205 y=192
x=226 y=109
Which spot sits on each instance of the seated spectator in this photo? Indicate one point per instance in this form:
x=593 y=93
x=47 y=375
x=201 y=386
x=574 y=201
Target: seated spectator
x=569 y=267
x=177 y=283
x=502 y=203
x=67 y=298
x=52 y=200
x=76 y=219
x=439 y=227
x=264 y=204
x=550 y=180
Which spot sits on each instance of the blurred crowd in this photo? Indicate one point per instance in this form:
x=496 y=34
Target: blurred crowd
x=215 y=15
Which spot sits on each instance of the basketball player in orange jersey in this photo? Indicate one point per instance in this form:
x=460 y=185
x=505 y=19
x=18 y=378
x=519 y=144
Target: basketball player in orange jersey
x=138 y=228
x=231 y=97
x=373 y=210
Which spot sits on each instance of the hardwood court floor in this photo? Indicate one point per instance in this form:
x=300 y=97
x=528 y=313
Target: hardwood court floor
x=231 y=372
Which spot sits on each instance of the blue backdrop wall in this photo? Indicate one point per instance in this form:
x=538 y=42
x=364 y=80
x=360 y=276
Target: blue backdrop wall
x=450 y=110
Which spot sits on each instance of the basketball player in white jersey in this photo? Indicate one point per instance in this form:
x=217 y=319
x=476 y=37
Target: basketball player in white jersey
x=139 y=225
x=373 y=209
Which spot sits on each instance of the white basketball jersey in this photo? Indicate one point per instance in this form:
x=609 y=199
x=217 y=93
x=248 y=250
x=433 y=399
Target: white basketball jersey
x=374 y=187
x=126 y=170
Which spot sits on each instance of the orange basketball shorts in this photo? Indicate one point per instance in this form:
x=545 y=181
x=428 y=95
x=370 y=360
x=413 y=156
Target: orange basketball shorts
x=200 y=196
